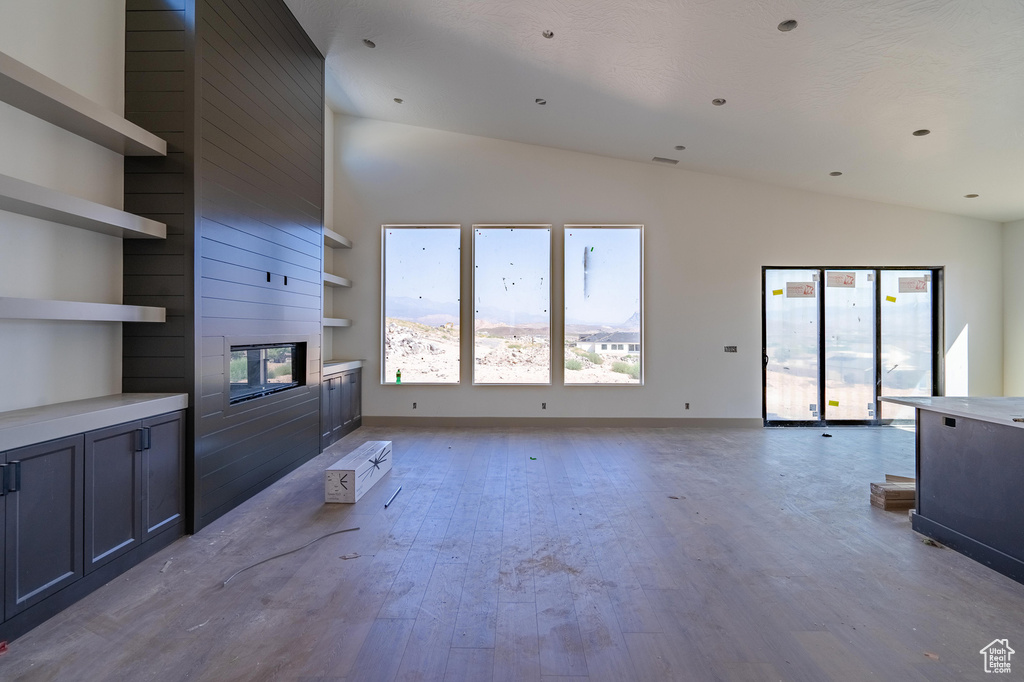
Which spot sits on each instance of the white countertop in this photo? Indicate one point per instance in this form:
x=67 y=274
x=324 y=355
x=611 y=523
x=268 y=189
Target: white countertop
x=40 y=424
x=335 y=366
x=995 y=410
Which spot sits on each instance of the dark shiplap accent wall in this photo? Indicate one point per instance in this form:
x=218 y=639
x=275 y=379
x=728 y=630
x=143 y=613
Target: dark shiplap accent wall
x=255 y=164
x=260 y=164
x=158 y=357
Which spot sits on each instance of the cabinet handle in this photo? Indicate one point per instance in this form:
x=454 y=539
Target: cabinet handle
x=13 y=477
x=3 y=480
x=143 y=439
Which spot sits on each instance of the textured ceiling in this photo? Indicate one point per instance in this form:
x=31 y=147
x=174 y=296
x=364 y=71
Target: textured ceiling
x=632 y=79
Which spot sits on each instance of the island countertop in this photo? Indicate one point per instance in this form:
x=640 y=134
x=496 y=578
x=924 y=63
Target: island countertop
x=996 y=410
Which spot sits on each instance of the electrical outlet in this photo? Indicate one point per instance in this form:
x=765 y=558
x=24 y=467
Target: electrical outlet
x=543 y=406
x=414 y=406
x=687 y=405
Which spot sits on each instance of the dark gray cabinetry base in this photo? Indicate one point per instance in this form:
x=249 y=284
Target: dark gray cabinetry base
x=133 y=485
x=969 y=476
x=78 y=511
x=340 y=406
x=43 y=544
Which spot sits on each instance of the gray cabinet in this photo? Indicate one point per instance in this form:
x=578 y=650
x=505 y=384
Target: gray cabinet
x=340 y=406
x=133 y=485
x=43 y=509
x=163 y=473
x=77 y=511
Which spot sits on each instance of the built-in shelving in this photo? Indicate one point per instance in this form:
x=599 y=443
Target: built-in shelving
x=332 y=283
x=26 y=198
x=337 y=282
x=335 y=321
x=77 y=311
x=335 y=240
x=25 y=88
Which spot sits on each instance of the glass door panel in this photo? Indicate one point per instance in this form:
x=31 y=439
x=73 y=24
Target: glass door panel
x=906 y=338
x=791 y=344
x=849 y=344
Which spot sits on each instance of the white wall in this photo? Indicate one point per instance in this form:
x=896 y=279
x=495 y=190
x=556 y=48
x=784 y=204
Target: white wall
x=1013 y=308
x=706 y=239
x=80 y=44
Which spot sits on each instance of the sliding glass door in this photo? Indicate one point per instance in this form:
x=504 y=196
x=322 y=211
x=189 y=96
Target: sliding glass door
x=792 y=345
x=836 y=339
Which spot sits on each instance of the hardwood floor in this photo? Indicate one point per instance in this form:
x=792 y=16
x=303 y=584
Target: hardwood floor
x=638 y=554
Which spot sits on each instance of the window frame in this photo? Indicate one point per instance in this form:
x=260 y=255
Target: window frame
x=383 y=301
x=643 y=316
x=938 y=297
x=551 y=291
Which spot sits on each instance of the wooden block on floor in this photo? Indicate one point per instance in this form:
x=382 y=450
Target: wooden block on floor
x=347 y=479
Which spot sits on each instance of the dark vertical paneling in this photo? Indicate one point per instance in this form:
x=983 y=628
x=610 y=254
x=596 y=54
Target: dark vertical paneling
x=236 y=87
x=260 y=168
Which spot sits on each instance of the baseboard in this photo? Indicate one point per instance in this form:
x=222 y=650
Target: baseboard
x=1009 y=566
x=562 y=422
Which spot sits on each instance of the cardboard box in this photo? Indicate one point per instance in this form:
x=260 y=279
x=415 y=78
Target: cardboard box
x=346 y=480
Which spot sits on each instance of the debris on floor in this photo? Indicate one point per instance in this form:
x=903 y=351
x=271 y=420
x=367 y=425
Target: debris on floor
x=896 y=494
x=353 y=555
x=932 y=543
x=826 y=435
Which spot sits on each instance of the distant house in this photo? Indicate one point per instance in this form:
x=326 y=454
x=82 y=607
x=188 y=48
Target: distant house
x=610 y=343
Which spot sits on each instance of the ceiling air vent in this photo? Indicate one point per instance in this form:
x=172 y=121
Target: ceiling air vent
x=662 y=159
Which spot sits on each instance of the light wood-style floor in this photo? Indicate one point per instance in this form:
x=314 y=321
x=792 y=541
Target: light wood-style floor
x=643 y=554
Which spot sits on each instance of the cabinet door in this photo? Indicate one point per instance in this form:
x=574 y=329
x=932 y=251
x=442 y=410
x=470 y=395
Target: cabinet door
x=113 y=494
x=163 y=472
x=325 y=414
x=350 y=390
x=44 y=521
x=337 y=408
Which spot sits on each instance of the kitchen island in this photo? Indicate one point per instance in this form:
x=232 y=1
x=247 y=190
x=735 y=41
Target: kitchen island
x=970 y=477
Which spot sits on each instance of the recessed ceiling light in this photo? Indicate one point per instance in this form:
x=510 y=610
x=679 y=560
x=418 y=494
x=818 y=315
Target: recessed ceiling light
x=836 y=174
x=399 y=100
x=662 y=159
x=922 y=132
x=787 y=25
x=718 y=101
x=540 y=101
x=680 y=147
x=548 y=34
x=369 y=43
x=970 y=196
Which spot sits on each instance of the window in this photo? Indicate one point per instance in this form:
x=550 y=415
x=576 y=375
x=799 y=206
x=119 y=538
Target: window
x=837 y=339
x=511 y=294
x=421 y=273
x=603 y=304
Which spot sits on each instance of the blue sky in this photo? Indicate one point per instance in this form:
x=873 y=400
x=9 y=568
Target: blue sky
x=612 y=278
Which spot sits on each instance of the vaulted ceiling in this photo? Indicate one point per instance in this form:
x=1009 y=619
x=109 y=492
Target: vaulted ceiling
x=842 y=92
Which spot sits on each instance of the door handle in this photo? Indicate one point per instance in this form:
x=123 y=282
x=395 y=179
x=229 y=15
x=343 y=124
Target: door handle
x=765 y=359
x=13 y=475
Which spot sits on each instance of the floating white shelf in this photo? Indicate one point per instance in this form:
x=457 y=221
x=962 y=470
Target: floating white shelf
x=48 y=309
x=18 y=196
x=335 y=281
x=45 y=98
x=333 y=321
x=335 y=240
